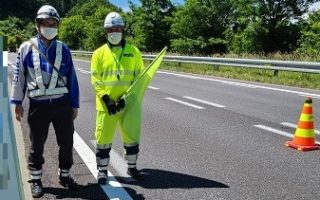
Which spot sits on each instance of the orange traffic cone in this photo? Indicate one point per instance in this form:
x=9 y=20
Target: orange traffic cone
x=304 y=137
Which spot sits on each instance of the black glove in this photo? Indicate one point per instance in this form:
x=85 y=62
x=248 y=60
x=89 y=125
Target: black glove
x=111 y=105
x=121 y=103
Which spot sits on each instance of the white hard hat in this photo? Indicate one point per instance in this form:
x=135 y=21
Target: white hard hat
x=113 y=19
x=46 y=12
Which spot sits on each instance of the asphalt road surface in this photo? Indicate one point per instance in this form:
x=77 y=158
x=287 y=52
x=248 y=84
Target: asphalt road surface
x=202 y=138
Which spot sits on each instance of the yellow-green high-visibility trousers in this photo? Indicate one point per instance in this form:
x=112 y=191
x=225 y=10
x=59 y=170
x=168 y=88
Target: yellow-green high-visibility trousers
x=130 y=132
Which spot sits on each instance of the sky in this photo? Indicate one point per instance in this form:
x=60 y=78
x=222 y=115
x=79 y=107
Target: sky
x=125 y=6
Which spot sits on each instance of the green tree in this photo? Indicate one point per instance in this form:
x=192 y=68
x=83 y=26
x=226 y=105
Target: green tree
x=276 y=22
x=16 y=30
x=309 y=41
x=28 y=9
x=149 y=24
x=199 y=26
x=72 y=31
x=83 y=28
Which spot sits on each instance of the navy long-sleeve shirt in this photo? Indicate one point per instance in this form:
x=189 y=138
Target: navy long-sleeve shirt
x=24 y=76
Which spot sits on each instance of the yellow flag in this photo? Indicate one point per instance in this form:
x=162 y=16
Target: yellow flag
x=136 y=91
x=134 y=96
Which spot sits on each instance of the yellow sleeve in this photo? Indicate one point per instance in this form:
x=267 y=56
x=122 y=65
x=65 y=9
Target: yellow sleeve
x=96 y=75
x=139 y=65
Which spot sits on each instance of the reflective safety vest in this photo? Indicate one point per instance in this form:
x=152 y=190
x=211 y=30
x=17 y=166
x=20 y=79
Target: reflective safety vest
x=52 y=88
x=113 y=70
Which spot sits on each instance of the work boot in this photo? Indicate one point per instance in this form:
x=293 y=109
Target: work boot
x=68 y=182
x=102 y=177
x=36 y=188
x=134 y=173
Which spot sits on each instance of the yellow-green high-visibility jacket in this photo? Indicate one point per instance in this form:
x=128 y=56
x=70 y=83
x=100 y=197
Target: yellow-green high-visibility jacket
x=113 y=70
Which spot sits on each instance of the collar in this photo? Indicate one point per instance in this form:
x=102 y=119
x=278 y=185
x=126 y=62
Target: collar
x=122 y=44
x=41 y=43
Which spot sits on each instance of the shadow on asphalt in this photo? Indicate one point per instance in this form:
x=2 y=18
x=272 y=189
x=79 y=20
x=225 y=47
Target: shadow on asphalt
x=90 y=191
x=160 y=179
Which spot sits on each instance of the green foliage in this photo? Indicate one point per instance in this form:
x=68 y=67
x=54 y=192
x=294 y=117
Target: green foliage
x=16 y=30
x=149 y=25
x=28 y=9
x=84 y=28
x=309 y=41
x=199 y=25
x=73 y=31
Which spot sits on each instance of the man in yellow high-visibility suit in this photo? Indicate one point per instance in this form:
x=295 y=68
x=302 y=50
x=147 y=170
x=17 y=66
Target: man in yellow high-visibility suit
x=114 y=68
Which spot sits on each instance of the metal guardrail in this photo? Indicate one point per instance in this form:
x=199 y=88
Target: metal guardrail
x=295 y=66
x=10 y=175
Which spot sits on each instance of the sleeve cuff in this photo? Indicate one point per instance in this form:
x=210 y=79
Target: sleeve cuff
x=16 y=102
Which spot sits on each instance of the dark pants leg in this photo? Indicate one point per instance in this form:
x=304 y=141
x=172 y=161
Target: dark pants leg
x=63 y=125
x=39 y=120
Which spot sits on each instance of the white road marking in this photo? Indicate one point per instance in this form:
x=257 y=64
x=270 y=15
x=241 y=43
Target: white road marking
x=184 y=103
x=180 y=75
x=315 y=97
x=273 y=130
x=83 y=71
x=205 y=102
x=236 y=83
x=245 y=85
x=114 y=189
x=291 y=125
x=153 y=88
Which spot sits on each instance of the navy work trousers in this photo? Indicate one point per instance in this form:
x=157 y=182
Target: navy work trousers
x=39 y=119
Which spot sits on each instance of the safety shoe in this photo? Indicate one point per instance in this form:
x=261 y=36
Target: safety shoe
x=102 y=177
x=36 y=188
x=68 y=182
x=134 y=173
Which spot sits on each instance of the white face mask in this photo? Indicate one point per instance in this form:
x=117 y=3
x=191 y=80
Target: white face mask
x=115 y=37
x=48 y=33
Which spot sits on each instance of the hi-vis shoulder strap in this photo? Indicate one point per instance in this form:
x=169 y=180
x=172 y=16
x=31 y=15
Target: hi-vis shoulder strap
x=52 y=88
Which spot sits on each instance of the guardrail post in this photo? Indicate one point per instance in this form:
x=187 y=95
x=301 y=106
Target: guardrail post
x=10 y=176
x=275 y=73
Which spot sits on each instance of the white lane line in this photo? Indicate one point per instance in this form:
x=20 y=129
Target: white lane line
x=83 y=71
x=184 y=103
x=291 y=125
x=117 y=163
x=277 y=131
x=239 y=84
x=245 y=85
x=114 y=189
x=179 y=75
x=204 y=102
x=315 y=97
x=153 y=88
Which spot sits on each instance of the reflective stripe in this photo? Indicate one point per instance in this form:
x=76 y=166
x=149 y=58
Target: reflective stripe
x=113 y=83
x=103 y=162
x=52 y=90
x=37 y=69
x=132 y=165
x=64 y=172
x=57 y=64
x=44 y=92
x=130 y=145
x=131 y=158
x=101 y=168
x=115 y=72
x=103 y=146
x=36 y=174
